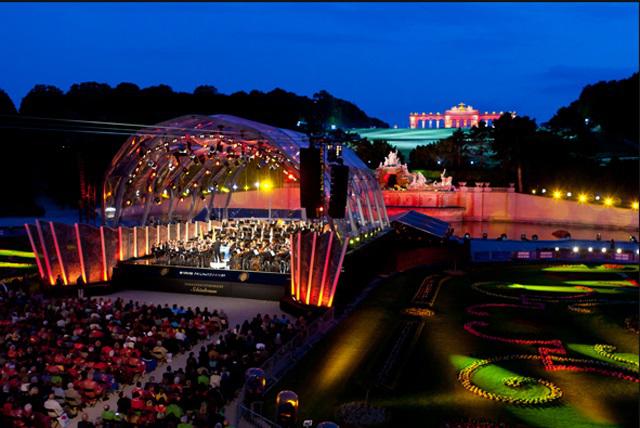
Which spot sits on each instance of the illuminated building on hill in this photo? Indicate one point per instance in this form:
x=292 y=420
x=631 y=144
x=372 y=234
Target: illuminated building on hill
x=460 y=116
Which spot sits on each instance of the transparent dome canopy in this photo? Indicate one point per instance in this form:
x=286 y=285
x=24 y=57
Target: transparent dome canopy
x=199 y=167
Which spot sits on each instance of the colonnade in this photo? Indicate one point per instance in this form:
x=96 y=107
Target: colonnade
x=442 y=121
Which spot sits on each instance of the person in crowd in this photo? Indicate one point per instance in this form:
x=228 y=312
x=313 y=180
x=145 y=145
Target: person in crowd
x=85 y=422
x=55 y=411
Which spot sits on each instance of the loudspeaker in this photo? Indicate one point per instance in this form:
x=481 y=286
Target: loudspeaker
x=339 y=186
x=311 y=196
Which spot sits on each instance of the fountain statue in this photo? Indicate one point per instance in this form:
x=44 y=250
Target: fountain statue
x=393 y=174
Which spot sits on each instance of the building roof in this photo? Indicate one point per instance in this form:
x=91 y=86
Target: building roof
x=422 y=222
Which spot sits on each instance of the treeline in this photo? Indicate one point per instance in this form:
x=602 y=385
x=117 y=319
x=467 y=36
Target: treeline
x=608 y=107
x=41 y=159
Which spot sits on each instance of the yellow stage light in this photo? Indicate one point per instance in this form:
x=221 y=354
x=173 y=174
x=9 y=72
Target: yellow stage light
x=557 y=194
x=582 y=198
x=608 y=202
x=634 y=205
x=266 y=185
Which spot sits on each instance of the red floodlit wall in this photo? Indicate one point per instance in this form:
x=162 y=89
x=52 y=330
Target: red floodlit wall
x=316 y=261
x=493 y=204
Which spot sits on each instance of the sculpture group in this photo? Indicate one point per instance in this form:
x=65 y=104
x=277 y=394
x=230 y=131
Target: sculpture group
x=392 y=174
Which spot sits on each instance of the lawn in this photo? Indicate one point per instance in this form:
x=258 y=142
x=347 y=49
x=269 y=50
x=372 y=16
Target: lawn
x=15 y=262
x=588 y=378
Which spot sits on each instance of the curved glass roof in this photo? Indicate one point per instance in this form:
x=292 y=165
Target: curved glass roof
x=193 y=167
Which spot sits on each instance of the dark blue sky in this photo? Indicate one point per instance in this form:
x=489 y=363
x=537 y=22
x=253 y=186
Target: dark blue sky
x=388 y=58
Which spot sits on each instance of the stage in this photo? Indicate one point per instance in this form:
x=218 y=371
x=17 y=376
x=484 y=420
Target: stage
x=186 y=279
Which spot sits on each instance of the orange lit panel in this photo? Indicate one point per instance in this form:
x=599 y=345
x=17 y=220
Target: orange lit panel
x=120 y=256
x=310 y=278
x=293 y=291
x=80 y=255
x=298 y=269
x=325 y=269
x=35 y=251
x=104 y=252
x=44 y=252
x=60 y=261
x=337 y=275
x=135 y=242
x=146 y=240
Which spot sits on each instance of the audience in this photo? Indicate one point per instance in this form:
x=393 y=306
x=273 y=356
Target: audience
x=58 y=356
x=89 y=346
x=196 y=395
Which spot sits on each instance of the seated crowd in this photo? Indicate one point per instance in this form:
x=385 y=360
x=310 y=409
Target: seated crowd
x=196 y=395
x=248 y=244
x=59 y=355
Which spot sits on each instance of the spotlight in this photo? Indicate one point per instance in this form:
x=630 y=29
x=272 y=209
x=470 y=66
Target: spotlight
x=590 y=249
x=569 y=194
x=634 y=205
x=543 y=191
x=266 y=185
x=618 y=250
x=576 y=249
x=608 y=202
x=557 y=248
x=603 y=250
x=557 y=194
x=582 y=198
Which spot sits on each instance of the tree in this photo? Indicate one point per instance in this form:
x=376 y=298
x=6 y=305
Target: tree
x=478 y=146
x=371 y=153
x=205 y=90
x=513 y=137
x=43 y=100
x=611 y=106
x=427 y=157
x=458 y=141
x=6 y=104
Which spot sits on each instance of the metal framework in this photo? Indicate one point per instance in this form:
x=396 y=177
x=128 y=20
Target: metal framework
x=187 y=168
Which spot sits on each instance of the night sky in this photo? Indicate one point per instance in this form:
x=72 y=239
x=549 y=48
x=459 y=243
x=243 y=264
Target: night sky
x=388 y=58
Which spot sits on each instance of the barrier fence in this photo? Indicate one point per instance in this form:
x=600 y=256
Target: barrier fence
x=569 y=251
x=281 y=361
